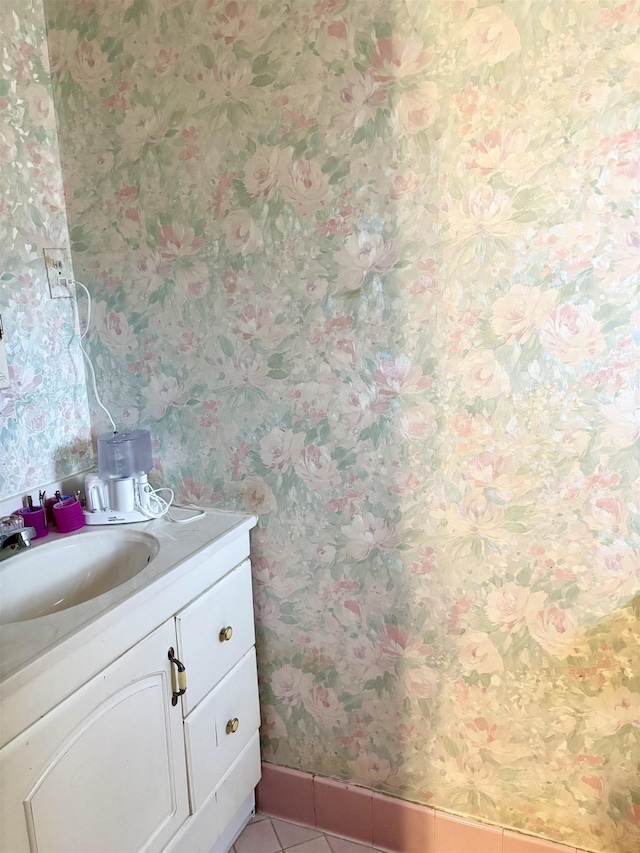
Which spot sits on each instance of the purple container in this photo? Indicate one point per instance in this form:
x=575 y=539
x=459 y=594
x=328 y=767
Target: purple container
x=34 y=516
x=48 y=506
x=68 y=515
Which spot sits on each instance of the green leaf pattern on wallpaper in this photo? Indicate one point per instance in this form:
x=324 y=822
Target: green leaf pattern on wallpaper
x=370 y=270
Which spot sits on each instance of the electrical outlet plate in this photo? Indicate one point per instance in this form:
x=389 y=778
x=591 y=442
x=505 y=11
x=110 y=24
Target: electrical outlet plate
x=59 y=272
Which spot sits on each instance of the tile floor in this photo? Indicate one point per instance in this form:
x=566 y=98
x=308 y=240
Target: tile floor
x=268 y=835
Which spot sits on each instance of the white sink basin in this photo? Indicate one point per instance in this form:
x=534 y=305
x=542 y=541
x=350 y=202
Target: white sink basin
x=56 y=575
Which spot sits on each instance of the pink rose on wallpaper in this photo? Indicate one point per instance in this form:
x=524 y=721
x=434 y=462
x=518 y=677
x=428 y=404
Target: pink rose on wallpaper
x=24 y=381
x=243 y=235
x=622 y=427
x=305 y=187
x=491 y=36
x=324 y=706
x=141 y=125
x=89 y=67
x=193 y=280
x=259 y=323
x=176 y=241
x=40 y=104
x=483 y=210
x=360 y=405
x=398 y=376
x=505 y=153
x=117 y=334
x=258 y=496
x=161 y=392
x=281 y=448
x=167 y=59
x=231 y=82
x=247 y=367
x=367 y=533
x=522 y=312
x=152 y=268
x=606 y=513
x=406 y=184
x=371 y=769
x=361 y=659
x=395 y=58
x=356 y=102
x=290 y=685
x=619 y=568
x=397 y=642
x=511 y=607
x=487 y=469
x=363 y=253
x=417 y=109
x=36 y=417
x=192 y=491
x=477 y=653
x=474 y=518
x=8 y=148
x=243 y=22
x=418 y=423
x=348 y=612
x=61 y=45
x=613 y=708
x=627 y=250
x=267 y=611
x=271 y=723
x=483 y=376
x=555 y=629
x=572 y=334
x=263 y=170
x=421 y=682
x=317 y=469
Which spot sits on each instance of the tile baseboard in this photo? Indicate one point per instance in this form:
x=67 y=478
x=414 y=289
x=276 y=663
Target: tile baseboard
x=381 y=821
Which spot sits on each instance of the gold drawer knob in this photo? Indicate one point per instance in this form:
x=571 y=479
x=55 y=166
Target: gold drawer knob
x=226 y=634
x=232 y=726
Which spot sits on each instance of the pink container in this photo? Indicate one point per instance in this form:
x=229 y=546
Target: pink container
x=68 y=515
x=34 y=516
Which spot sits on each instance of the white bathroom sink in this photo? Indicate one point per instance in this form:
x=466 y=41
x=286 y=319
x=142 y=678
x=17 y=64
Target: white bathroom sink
x=53 y=576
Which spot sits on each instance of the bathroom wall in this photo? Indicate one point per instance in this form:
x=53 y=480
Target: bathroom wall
x=370 y=270
x=44 y=414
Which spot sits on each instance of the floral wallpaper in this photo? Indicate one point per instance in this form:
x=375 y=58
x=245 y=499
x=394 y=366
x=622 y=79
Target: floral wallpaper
x=44 y=414
x=370 y=269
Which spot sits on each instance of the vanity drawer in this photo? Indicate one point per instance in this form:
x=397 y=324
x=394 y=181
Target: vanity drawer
x=214 y=632
x=220 y=727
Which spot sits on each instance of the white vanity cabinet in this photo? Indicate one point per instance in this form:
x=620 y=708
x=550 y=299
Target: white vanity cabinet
x=104 y=771
x=122 y=763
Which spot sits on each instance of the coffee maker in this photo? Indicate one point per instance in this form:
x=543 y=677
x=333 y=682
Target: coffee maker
x=120 y=492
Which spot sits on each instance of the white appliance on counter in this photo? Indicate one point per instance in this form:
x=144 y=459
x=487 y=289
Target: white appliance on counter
x=120 y=492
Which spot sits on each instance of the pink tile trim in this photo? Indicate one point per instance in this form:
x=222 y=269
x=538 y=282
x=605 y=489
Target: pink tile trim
x=287 y=794
x=402 y=827
x=344 y=810
x=384 y=822
x=456 y=835
x=514 y=842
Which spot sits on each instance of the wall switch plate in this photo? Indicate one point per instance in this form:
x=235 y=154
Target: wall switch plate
x=59 y=272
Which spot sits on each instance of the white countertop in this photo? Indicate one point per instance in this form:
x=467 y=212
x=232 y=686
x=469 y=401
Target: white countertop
x=79 y=636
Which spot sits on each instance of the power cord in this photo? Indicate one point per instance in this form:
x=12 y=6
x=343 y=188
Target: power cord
x=152 y=505
x=83 y=335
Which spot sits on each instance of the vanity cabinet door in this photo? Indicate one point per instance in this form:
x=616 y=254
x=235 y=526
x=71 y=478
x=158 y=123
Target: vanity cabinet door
x=104 y=770
x=214 y=632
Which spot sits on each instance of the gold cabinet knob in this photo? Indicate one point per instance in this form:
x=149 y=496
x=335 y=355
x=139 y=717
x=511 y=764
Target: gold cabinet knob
x=232 y=726
x=226 y=633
